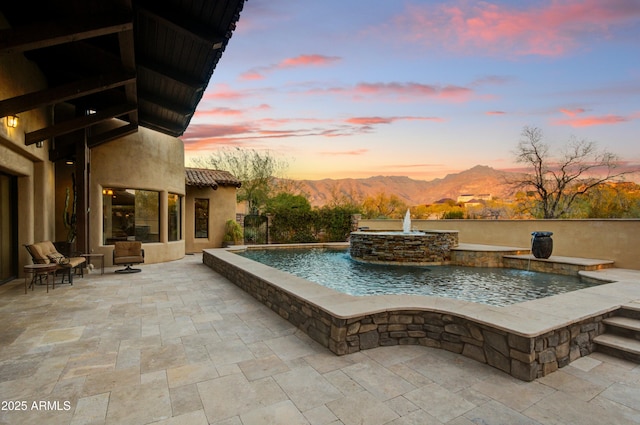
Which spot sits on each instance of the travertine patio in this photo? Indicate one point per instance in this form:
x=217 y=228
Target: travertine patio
x=179 y=344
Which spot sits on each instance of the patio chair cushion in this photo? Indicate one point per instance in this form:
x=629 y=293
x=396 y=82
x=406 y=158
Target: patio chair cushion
x=58 y=258
x=45 y=253
x=128 y=253
x=40 y=252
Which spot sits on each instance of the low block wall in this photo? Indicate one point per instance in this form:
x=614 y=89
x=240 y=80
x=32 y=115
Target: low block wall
x=525 y=357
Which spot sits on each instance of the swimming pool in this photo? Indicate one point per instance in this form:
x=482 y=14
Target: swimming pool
x=494 y=286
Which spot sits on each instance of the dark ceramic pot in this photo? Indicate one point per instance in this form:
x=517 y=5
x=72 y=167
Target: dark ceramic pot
x=541 y=244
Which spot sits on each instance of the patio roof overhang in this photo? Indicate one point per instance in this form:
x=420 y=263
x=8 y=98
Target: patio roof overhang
x=144 y=62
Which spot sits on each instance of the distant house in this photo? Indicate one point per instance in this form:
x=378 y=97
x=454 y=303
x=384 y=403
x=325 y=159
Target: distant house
x=473 y=198
x=465 y=198
x=210 y=202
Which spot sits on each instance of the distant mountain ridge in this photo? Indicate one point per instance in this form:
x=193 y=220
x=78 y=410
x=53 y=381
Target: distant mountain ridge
x=478 y=180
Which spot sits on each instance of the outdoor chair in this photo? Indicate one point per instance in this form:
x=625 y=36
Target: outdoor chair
x=46 y=253
x=128 y=253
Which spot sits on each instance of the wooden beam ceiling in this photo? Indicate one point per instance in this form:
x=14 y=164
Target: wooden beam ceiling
x=41 y=35
x=65 y=92
x=75 y=124
x=187 y=28
x=144 y=61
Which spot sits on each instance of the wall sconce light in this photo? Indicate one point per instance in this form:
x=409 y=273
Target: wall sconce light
x=12 y=121
x=39 y=144
x=69 y=161
x=107 y=191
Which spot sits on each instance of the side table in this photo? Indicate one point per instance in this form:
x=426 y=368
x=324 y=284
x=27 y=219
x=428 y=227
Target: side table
x=100 y=256
x=38 y=270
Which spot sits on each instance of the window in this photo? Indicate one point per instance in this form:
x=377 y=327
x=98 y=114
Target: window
x=130 y=214
x=202 y=218
x=175 y=217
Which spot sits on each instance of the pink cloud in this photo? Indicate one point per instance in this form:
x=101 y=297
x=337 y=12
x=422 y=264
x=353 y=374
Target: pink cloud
x=218 y=111
x=549 y=29
x=308 y=60
x=369 y=121
x=413 y=90
x=590 y=121
x=495 y=113
x=350 y=153
x=295 y=62
x=573 y=112
x=204 y=131
x=223 y=92
x=576 y=118
x=251 y=75
x=399 y=91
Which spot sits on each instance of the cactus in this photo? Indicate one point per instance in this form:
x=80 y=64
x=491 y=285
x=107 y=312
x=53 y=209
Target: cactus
x=70 y=218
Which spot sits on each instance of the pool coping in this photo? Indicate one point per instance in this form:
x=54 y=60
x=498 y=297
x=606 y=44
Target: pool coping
x=531 y=321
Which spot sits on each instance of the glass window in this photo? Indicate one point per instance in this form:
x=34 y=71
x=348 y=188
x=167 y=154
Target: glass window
x=202 y=218
x=175 y=217
x=130 y=214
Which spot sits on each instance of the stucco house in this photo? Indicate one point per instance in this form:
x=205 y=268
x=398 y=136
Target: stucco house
x=94 y=96
x=210 y=202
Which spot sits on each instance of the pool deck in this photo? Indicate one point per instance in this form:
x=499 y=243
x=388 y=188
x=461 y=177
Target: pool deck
x=180 y=344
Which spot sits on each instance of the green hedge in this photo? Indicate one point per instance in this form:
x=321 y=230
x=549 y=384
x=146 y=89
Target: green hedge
x=327 y=224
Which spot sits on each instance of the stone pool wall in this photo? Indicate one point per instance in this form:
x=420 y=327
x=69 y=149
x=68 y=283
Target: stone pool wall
x=525 y=357
x=428 y=248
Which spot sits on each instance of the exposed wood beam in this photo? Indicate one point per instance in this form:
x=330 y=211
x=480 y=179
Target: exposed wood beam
x=161 y=126
x=169 y=105
x=65 y=92
x=47 y=34
x=186 y=27
x=77 y=123
x=110 y=135
x=171 y=74
x=128 y=58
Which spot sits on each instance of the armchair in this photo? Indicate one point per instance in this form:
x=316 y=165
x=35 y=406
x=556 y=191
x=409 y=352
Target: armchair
x=128 y=253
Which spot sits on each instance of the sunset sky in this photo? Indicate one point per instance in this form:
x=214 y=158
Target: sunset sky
x=357 y=88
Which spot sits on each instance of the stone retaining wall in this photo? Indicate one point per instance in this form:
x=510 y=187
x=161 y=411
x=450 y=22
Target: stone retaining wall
x=525 y=357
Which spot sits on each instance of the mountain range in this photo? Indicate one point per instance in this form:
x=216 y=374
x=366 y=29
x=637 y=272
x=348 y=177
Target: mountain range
x=479 y=180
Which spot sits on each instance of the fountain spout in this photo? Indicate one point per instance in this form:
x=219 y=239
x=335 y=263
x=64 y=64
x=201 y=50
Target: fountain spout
x=406 y=224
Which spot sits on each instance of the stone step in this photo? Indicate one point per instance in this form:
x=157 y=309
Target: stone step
x=630 y=310
x=619 y=346
x=623 y=322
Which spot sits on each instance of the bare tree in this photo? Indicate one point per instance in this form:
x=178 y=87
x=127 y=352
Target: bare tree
x=558 y=182
x=255 y=170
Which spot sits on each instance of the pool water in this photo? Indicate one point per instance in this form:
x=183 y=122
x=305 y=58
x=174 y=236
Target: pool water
x=494 y=286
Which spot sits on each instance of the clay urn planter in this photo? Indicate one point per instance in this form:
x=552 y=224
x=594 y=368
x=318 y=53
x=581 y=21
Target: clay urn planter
x=541 y=244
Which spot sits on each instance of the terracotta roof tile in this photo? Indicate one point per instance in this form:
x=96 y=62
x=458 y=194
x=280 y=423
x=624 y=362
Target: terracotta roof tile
x=202 y=177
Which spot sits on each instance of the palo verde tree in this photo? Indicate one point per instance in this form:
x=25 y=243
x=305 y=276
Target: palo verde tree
x=558 y=182
x=255 y=169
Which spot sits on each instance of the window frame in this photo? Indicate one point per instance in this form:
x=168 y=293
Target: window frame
x=203 y=220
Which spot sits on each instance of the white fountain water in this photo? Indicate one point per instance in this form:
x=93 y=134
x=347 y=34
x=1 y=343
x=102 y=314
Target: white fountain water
x=406 y=224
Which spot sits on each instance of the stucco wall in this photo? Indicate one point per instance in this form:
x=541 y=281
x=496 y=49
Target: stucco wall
x=222 y=207
x=144 y=160
x=29 y=163
x=615 y=240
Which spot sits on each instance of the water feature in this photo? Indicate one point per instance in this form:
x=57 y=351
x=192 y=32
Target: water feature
x=432 y=247
x=406 y=223
x=494 y=286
